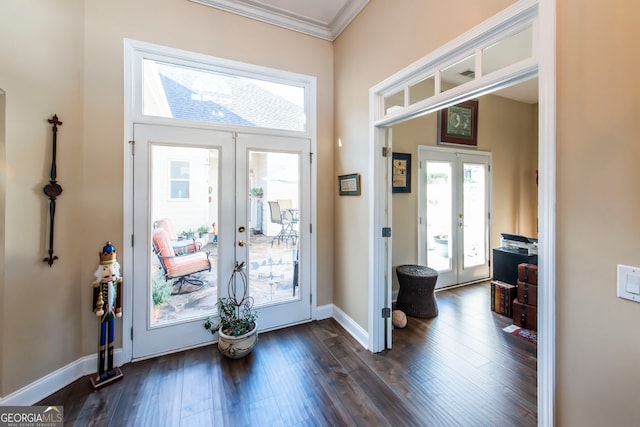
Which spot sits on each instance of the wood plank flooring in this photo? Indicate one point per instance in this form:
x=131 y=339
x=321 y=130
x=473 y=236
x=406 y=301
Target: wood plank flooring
x=458 y=369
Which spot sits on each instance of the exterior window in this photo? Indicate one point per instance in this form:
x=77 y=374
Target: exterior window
x=179 y=180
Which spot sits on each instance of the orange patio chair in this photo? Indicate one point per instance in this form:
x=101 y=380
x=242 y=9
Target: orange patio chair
x=180 y=267
x=180 y=245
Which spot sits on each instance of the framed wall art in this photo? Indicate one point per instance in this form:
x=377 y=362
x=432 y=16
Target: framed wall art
x=401 y=173
x=349 y=185
x=458 y=124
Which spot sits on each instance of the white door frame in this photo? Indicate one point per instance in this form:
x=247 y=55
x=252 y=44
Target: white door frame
x=542 y=66
x=133 y=51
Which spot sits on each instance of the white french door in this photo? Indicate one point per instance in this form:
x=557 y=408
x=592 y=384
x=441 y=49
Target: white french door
x=277 y=254
x=200 y=207
x=454 y=199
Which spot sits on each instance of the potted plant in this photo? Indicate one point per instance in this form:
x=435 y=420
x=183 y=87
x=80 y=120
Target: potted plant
x=189 y=234
x=237 y=326
x=160 y=293
x=257 y=192
x=203 y=232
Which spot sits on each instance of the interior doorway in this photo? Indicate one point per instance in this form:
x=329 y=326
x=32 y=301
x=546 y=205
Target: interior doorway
x=541 y=65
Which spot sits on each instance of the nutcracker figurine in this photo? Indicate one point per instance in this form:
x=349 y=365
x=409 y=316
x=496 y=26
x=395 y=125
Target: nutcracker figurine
x=107 y=305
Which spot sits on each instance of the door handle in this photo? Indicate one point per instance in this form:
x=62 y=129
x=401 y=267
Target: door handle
x=241 y=243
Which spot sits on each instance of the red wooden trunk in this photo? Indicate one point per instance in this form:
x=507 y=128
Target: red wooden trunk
x=528 y=273
x=525 y=315
x=527 y=293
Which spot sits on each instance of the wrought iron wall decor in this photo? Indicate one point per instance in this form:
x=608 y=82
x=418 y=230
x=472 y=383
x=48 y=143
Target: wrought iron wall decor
x=52 y=189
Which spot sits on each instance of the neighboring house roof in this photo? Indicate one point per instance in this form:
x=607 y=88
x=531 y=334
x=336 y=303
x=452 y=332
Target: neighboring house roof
x=205 y=96
x=183 y=106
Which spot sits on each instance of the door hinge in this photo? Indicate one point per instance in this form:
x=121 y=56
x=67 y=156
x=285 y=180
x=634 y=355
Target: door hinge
x=132 y=333
x=310 y=298
x=386 y=312
x=386 y=231
x=311 y=158
x=310 y=228
x=385 y=151
x=132 y=240
x=132 y=143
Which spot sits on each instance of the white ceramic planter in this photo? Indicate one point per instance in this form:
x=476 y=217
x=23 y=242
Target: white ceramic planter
x=237 y=347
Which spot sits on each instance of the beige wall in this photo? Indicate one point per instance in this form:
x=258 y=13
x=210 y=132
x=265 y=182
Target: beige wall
x=598 y=99
x=506 y=128
x=41 y=73
x=66 y=57
x=386 y=37
x=597 y=180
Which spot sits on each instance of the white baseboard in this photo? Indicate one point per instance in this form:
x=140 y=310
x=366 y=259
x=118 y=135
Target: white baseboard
x=56 y=380
x=324 y=312
x=64 y=376
x=355 y=330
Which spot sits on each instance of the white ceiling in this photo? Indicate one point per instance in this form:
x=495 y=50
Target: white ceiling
x=326 y=19
x=320 y=18
x=526 y=92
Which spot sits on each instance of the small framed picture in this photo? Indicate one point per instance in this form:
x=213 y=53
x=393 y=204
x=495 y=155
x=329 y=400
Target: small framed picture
x=401 y=173
x=349 y=185
x=458 y=124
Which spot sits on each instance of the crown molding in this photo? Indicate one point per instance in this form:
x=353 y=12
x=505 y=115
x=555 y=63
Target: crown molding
x=346 y=15
x=289 y=20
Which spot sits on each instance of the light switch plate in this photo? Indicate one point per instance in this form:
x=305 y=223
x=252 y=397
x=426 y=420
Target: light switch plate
x=629 y=282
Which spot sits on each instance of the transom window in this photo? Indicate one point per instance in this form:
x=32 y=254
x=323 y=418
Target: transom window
x=185 y=92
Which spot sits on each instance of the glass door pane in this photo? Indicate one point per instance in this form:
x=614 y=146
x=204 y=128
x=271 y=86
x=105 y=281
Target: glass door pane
x=474 y=219
x=274 y=200
x=184 y=210
x=439 y=201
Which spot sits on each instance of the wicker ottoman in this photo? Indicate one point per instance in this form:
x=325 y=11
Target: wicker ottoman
x=416 y=295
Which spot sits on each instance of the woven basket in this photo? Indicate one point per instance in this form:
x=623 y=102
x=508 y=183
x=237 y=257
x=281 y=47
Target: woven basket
x=416 y=295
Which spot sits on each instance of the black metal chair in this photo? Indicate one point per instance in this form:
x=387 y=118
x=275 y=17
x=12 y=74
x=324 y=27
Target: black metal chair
x=286 y=225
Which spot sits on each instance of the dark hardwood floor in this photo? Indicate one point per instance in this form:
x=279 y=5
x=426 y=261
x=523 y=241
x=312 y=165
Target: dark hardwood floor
x=458 y=369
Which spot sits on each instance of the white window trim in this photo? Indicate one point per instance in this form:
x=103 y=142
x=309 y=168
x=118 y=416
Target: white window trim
x=136 y=51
